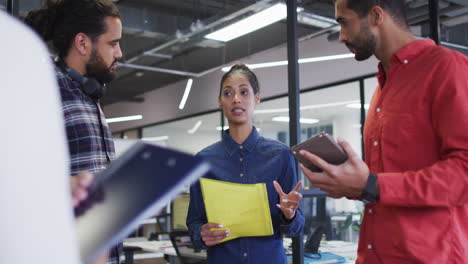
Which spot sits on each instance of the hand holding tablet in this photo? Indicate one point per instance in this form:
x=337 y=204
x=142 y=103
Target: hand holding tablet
x=324 y=146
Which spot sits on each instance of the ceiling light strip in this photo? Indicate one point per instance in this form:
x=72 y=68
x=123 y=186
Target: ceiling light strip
x=195 y=127
x=158 y=55
x=124 y=118
x=357 y=106
x=161 y=138
x=157 y=69
x=186 y=94
x=327 y=58
x=306 y=60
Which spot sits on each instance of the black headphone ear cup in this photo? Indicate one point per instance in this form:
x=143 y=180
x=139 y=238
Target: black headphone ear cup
x=76 y=76
x=90 y=86
x=93 y=88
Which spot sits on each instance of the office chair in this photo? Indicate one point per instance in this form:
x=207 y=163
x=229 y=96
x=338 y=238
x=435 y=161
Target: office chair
x=129 y=253
x=311 y=247
x=181 y=240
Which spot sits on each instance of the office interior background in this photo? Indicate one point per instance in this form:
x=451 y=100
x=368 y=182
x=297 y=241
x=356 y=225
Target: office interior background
x=172 y=64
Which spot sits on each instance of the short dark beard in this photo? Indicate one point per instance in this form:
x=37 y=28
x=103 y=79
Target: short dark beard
x=96 y=68
x=365 y=45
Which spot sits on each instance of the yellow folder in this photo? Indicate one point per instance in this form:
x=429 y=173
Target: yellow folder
x=241 y=208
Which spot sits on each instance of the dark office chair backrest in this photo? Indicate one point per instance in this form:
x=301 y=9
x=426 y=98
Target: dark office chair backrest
x=181 y=240
x=313 y=242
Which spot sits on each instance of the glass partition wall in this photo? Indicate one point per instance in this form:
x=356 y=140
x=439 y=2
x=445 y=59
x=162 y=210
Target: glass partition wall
x=335 y=109
x=189 y=135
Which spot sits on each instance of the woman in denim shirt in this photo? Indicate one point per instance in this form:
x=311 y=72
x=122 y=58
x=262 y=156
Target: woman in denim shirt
x=242 y=156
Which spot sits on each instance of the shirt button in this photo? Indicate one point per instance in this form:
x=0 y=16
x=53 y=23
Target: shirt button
x=242 y=174
x=376 y=143
x=377 y=110
x=241 y=147
x=241 y=159
x=405 y=61
x=369 y=246
x=370 y=211
x=245 y=254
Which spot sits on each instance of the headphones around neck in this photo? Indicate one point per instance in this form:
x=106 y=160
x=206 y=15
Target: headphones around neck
x=90 y=86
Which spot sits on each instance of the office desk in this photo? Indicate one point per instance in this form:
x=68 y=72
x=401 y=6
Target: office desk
x=186 y=252
x=155 y=249
x=152 y=246
x=348 y=250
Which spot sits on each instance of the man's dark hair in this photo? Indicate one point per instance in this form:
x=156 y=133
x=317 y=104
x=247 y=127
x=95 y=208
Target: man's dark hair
x=396 y=8
x=242 y=68
x=60 y=21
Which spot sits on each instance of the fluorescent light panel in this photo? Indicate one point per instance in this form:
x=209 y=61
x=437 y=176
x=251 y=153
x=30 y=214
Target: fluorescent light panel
x=124 y=118
x=300 y=61
x=161 y=138
x=186 y=94
x=301 y=120
x=264 y=18
x=195 y=127
x=254 y=22
x=315 y=20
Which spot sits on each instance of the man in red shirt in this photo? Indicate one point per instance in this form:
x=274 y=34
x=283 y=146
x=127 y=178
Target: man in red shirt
x=416 y=142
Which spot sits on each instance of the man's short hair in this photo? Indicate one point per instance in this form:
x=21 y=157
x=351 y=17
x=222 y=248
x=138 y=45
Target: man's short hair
x=396 y=8
x=60 y=21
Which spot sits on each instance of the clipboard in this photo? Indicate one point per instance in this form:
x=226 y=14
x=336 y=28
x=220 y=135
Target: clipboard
x=242 y=208
x=134 y=187
x=322 y=145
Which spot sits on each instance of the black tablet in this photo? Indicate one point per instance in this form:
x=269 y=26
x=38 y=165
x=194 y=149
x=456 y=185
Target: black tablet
x=134 y=187
x=322 y=145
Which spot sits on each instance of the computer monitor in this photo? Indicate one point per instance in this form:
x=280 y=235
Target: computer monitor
x=179 y=210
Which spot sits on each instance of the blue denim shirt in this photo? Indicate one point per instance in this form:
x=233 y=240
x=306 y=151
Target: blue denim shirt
x=257 y=160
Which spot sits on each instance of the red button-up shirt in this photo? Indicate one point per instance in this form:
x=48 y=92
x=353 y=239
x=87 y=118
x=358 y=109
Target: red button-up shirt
x=416 y=141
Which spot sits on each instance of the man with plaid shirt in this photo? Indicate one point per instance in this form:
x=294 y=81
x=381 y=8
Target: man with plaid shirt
x=85 y=34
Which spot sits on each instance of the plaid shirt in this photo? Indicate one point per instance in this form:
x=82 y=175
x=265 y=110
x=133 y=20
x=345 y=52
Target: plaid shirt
x=89 y=139
x=90 y=144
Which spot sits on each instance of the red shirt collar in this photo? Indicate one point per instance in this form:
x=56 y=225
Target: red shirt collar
x=405 y=55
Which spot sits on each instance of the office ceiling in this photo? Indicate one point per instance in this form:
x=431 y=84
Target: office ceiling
x=163 y=41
